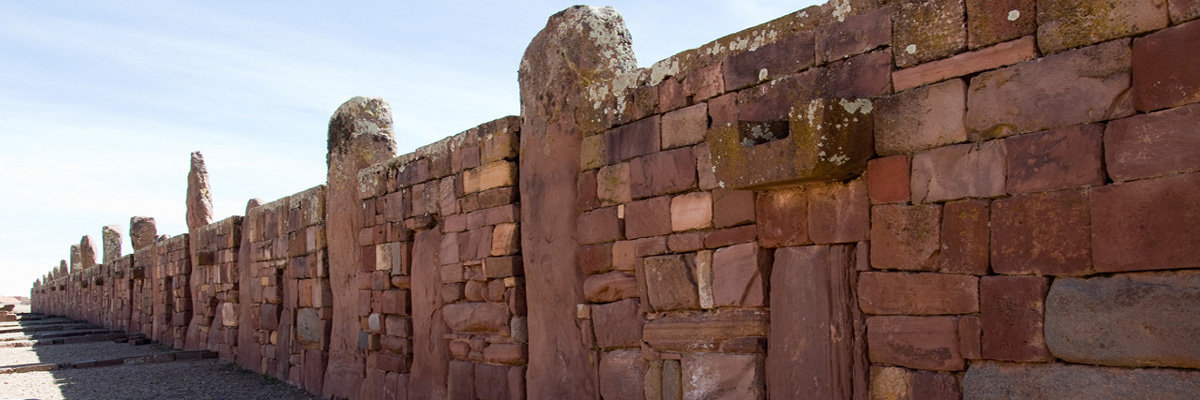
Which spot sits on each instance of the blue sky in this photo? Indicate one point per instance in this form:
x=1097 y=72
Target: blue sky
x=101 y=102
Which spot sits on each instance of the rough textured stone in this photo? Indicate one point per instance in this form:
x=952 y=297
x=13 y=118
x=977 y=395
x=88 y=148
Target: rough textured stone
x=717 y=376
x=1129 y=320
x=649 y=217
x=732 y=207
x=617 y=324
x=929 y=343
x=739 y=275
x=811 y=343
x=994 y=21
x=684 y=127
x=633 y=139
x=603 y=225
x=958 y=171
x=360 y=134
x=921 y=118
x=839 y=212
x=782 y=217
x=758 y=152
x=1183 y=10
x=1011 y=309
x=664 y=172
x=994 y=380
x=965 y=236
x=1149 y=224
x=691 y=211
x=1042 y=233
x=670 y=283
x=917 y=294
x=928 y=30
x=887 y=179
x=1154 y=144
x=87 y=252
x=1057 y=159
x=855 y=35
x=142 y=232
x=608 y=287
x=1071 y=88
x=685 y=333
x=111 y=237
x=1064 y=24
x=621 y=374
x=199 y=197
x=905 y=237
x=1161 y=78
x=1007 y=53
x=787 y=55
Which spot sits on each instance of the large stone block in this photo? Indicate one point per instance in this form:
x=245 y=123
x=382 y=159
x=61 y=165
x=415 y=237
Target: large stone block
x=476 y=317
x=598 y=226
x=691 y=211
x=1064 y=24
x=739 y=275
x=958 y=171
x=717 y=376
x=855 y=35
x=649 y=217
x=965 y=236
x=1075 y=87
x=1183 y=10
x=670 y=283
x=839 y=212
x=782 y=218
x=732 y=207
x=994 y=380
x=704 y=331
x=892 y=383
x=634 y=139
x=822 y=139
x=1003 y=54
x=1128 y=320
x=905 y=237
x=917 y=294
x=1161 y=77
x=785 y=56
x=1057 y=159
x=928 y=30
x=921 y=119
x=1042 y=233
x=609 y=287
x=684 y=127
x=617 y=324
x=994 y=21
x=664 y=172
x=621 y=374
x=1011 y=317
x=1154 y=144
x=929 y=343
x=110 y=236
x=1148 y=224
x=888 y=179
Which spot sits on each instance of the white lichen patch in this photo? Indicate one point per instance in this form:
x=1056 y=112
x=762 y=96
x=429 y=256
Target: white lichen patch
x=841 y=8
x=857 y=105
x=1013 y=15
x=762 y=74
x=910 y=49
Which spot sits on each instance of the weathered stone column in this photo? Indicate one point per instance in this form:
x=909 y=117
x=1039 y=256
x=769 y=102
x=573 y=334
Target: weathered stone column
x=142 y=232
x=360 y=134
x=111 y=236
x=249 y=352
x=87 y=252
x=579 y=46
x=199 y=214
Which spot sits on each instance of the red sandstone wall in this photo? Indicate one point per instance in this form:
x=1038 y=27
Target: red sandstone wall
x=915 y=199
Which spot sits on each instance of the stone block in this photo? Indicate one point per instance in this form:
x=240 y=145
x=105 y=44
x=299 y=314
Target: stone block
x=620 y=374
x=492 y=381
x=660 y=173
x=965 y=236
x=617 y=324
x=784 y=56
x=732 y=207
x=811 y=342
x=1042 y=233
x=739 y=275
x=142 y=232
x=634 y=139
x=717 y=376
x=970 y=337
x=838 y=212
x=1075 y=87
x=670 y=283
x=706 y=173
x=595 y=259
x=682 y=333
x=758 y=153
x=917 y=294
x=612 y=184
x=928 y=30
x=1057 y=159
x=593 y=152
x=610 y=287
x=929 y=343
x=1126 y=320
x=1154 y=144
x=1011 y=318
x=704 y=83
x=670 y=95
x=959 y=171
x=1065 y=24
x=691 y=211
x=921 y=118
x=782 y=217
x=685 y=126
x=994 y=21
x=899 y=383
x=460 y=384
x=728 y=236
x=995 y=380
x=476 y=317
x=506 y=239
x=649 y=217
x=599 y=225
x=1183 y=10
x=854 y=35
x=887 y=179
x=1000 y=55
x=1148 y=224
x=905 y=237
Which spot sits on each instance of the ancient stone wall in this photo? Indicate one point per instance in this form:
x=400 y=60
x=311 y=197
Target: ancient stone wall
x=933 y=199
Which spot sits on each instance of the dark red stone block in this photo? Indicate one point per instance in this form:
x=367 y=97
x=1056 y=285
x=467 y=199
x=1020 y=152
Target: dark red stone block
x=783 y=57
x=1154 y=144
x=1042 y=233
x=665 y=172
x=782 y=218
x=887 y=179
x=1148 y=224
x=905 y=237
x=650 y=217
x=965 y=237
x=634 y=139
x=1057 y=159
x=1012 y=309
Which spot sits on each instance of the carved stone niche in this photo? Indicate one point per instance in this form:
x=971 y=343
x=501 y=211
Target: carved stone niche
x=826 y=139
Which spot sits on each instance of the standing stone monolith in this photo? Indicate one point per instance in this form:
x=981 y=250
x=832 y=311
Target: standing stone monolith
x=110 y=235
x=142 y=232
x=249 y=353
x=199 y=199
x=87 y=252
x=579 y=47
x=360 y=134
x=74 y=258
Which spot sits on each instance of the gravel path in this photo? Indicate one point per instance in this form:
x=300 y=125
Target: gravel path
x=197 y=379
x=61 y=353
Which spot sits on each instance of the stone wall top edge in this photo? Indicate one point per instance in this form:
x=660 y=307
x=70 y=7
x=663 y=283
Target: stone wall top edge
x=443 y=147
x=315 y=193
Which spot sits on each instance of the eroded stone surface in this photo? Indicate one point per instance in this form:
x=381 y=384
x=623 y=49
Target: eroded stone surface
x=199 y=198
x=142 y=232
x=995 y=380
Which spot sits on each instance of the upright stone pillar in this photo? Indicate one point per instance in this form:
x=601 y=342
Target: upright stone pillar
x=360 y=134
x=142 y=232
x=199 y=199
x=87 y=252
x=74 y=258
x=249 y=351
x=111 y=236
x=579 y=46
